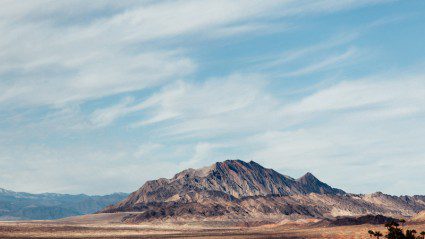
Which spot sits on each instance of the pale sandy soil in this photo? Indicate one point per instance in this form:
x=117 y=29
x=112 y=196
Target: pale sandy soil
x=89 y=228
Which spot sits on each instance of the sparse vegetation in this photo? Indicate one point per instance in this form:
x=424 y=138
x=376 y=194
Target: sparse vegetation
x=397 y=232
x=376 y=234
x=402 y=221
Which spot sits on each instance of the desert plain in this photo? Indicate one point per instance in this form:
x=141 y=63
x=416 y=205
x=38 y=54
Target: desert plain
x=106 y=226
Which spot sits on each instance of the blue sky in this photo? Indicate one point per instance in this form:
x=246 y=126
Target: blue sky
x=100 y=96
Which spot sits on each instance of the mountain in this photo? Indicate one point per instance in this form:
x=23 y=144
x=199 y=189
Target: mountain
x=27 y=206
x=236 y=190
x=233 y=179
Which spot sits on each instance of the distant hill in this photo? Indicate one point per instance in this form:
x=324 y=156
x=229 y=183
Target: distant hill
x=237 y=190
x=26 y=206
x=348 y=221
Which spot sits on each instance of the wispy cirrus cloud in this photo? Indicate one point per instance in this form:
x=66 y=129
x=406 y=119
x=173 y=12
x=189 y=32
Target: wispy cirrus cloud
x=200 y=106
x=330 y=62
x=371 y=93
x=362 y=123
x=106 y=48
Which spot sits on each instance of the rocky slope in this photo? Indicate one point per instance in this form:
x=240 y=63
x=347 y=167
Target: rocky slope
x=27 y=206
x=236 y=190
x=420 y=217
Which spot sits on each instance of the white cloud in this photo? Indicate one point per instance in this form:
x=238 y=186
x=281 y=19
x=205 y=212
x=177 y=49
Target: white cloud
x=81 y=169
x=221 y=105
x=148 y=150
x=105 y=116
x=104 y=75
x=352 y=129
x=302 y=53
x=58 y=52
x=190 y=102
x=330 y=62
x=202 y=156
x=390 y=92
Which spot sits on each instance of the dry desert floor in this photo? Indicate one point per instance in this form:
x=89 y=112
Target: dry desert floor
x=89 y=229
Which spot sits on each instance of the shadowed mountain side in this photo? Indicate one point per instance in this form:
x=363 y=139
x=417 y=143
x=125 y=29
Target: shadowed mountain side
x=348 y=221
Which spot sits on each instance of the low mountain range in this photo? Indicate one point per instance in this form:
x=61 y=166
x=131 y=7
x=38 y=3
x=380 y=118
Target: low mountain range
x=27 y=206
x=235 y=190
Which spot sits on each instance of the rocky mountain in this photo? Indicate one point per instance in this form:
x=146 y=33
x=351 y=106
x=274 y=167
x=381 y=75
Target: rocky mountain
x=236 y=190
x=27 y=206
x=233 y=179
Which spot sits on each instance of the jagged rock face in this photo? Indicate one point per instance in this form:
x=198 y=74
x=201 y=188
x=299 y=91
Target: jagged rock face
x=234 y=189
x=230 y=179
x=241 y=179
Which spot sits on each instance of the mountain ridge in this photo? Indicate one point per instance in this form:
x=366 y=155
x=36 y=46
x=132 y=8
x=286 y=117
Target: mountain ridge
x=237 y=190
x=235 y=178
x=44 y=206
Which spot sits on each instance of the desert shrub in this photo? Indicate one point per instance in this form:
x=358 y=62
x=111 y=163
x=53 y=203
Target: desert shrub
x=394 y=231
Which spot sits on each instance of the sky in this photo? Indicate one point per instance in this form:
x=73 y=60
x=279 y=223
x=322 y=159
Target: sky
x=97 y=97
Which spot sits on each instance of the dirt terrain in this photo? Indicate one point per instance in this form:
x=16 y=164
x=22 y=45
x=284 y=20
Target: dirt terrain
x=57 y=229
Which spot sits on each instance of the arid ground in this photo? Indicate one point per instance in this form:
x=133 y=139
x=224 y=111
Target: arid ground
x=58 y=229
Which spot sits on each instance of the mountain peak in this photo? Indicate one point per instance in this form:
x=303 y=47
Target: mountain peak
x=308 y=177
x=227 y=180
x=233 y=162
x=315 y=185
x=237 y=163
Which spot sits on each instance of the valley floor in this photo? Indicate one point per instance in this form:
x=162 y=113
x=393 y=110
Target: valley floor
x=51 y=229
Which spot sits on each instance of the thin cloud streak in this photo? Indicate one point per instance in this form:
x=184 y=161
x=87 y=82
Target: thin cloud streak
x=65 y=63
